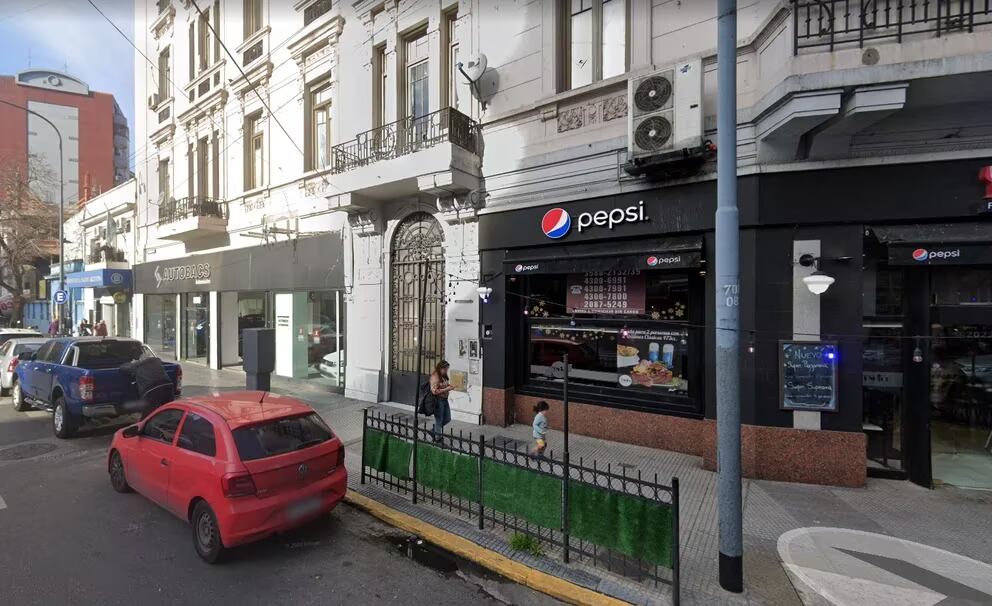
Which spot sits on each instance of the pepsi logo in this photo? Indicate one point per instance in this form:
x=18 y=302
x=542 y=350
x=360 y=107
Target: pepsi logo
x=920 y=254
x=519 y=268
x=556 y=223
x=652 y=261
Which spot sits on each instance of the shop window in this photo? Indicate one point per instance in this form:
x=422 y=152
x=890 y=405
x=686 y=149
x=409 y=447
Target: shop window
x=627 y=334
x=961 y=286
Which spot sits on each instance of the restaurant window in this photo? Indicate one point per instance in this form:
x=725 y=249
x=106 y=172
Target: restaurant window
x=595 y=41
x=253 y=17
x=254 y=139
x=628 y=334
x=320 y=126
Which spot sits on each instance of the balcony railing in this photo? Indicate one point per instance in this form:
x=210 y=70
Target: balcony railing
x=829 y=24
x=106 y=254
x=405 y=137
x=252 y=53
x=315 y=10
x=185 y=208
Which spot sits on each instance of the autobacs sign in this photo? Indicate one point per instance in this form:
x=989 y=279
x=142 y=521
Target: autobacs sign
x=557 y=222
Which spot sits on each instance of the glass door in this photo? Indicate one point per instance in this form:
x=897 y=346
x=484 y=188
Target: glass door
x=196 y=341
x=961 y=403
x=882 y=394
x=160 y=324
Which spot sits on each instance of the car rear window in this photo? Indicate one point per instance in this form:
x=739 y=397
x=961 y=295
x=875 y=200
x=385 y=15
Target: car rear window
x=280 y=436
x=7 y=336
x=107 y=353
x=23 y=347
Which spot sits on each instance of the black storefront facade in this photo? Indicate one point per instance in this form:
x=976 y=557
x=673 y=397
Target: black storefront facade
x=908 y=350
x=196 y=308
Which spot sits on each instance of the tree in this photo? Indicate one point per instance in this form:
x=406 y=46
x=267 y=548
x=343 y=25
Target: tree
x=28 y=226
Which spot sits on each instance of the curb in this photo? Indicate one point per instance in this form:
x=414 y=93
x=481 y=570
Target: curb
x=542 y=582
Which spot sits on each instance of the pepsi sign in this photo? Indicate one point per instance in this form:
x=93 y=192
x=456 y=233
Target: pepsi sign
x=557 y=222
x=954 y=254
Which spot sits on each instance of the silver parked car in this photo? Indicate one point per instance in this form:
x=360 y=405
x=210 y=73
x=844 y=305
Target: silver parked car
x=8 y=357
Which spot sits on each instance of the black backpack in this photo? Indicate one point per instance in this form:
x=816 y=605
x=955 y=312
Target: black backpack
x=427 y=401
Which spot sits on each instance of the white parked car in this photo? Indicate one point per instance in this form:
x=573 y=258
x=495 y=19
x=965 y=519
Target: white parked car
x=332 y=366
x=8 y=357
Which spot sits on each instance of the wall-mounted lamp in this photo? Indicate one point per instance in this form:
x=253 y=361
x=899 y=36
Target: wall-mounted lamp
x=484 y=293
x=818 y=282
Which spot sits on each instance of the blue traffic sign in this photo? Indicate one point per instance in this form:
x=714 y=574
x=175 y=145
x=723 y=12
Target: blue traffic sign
x=61 y=296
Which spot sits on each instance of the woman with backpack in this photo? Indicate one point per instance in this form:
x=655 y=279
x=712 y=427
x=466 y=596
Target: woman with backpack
x=440 y=388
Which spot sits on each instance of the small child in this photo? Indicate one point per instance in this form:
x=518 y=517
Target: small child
x=540 y=429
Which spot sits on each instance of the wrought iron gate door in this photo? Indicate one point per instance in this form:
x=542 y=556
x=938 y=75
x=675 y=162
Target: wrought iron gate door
x=416 y=282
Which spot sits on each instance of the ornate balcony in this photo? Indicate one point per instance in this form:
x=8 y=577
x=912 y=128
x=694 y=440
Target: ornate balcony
x=826 y=25
x=191 y=218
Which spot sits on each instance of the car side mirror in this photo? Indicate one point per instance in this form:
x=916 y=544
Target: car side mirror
x=25 y=356
x=131 y=431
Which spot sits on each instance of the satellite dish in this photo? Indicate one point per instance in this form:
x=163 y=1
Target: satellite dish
x=474 y=67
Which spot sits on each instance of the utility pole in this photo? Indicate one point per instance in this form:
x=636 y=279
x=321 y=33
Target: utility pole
x=61 y=207
x=728 y=403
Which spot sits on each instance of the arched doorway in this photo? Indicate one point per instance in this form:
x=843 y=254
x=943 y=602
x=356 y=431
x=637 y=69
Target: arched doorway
x=416 y=283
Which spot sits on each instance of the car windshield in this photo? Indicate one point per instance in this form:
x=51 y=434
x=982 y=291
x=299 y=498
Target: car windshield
x=105 y=354
x=280 y=436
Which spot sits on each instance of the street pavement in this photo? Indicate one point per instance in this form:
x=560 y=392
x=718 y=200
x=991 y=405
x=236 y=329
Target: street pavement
x=67 y=538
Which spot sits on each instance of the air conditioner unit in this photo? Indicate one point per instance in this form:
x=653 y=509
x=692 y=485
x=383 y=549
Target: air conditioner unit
x=153 y=100
x=665 y=110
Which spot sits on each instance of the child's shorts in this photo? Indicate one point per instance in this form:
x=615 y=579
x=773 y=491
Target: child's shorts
x=541 y=444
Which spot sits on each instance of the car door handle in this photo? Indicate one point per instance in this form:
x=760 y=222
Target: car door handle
x=165 y=463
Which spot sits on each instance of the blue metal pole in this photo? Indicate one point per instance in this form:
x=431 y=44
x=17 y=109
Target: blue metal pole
x=728 y=408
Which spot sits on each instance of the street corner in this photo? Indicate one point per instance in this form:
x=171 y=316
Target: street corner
x=853 y=567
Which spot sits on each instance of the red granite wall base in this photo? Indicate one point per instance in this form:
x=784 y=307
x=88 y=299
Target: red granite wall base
x=833 y=458
x=497 y=406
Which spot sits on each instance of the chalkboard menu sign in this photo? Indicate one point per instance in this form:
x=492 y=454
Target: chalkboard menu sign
x=808 y=376
x=606 y=292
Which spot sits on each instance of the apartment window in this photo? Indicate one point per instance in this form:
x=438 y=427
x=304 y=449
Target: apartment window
x=417 y=70
x=164 y=74
x=164 y=180
x=203 y=167
x=320 y=126
x=254 y=150
x=379 y=85
x=253 y=17
x=208 y=45
x=451 y=72
x=595 y=41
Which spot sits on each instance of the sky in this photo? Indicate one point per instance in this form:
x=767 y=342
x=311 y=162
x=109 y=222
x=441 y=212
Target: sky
x=54 y=34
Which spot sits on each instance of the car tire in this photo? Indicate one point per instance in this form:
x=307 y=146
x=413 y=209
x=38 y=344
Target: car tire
x=118 y=478
x=17 y=397
x=63 y=422
x=206 y=533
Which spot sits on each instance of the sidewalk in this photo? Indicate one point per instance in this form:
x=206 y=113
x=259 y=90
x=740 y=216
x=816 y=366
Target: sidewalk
x=949 y=519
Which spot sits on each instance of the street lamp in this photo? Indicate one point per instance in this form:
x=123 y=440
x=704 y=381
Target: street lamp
x=818 y=282
x=61 y=307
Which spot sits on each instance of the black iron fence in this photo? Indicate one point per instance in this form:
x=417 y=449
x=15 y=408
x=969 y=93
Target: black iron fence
x=829 y=24
x=407 y=136
x=601 y=516
x=197 y=206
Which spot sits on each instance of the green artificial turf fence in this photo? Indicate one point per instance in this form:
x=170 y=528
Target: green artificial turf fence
x=455 y=474
x=630 y=525
x=387 y=453
x=524 y=493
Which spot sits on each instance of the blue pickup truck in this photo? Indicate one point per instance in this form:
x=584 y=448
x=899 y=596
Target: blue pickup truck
x=80 y=378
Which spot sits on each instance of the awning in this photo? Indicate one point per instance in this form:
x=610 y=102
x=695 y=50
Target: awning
x=667 y=253
x=100 y=278
x=938 y=243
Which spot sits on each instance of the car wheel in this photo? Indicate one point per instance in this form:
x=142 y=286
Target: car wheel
x=17 y=397
x=206 y=533
x=63 y=422
x=117 y=477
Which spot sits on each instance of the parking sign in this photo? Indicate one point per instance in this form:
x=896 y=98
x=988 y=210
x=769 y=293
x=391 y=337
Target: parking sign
x=61 y=296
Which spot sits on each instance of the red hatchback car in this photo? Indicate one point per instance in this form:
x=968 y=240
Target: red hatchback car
x=239 y=466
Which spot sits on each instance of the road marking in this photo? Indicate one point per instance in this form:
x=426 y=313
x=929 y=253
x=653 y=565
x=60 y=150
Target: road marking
x=3 y=504
x=852 y=567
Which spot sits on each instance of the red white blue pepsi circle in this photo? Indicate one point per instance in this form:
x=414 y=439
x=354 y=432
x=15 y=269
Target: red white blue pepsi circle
x=556 y=223
x=920 y=254
x=652 y=261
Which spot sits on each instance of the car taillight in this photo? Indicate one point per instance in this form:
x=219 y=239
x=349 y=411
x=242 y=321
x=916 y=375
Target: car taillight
x=179 y=379
x=12 y=365
x=238 y=485
x=86 y=387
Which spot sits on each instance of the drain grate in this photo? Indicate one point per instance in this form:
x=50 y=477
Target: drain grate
x=25 y=451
